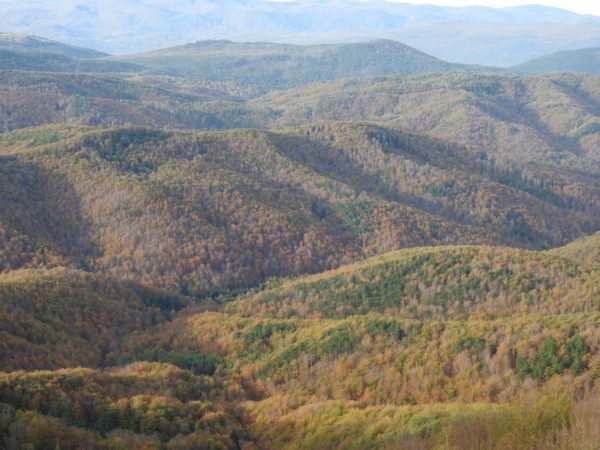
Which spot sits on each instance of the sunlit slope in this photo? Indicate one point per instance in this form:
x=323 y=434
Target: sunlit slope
x=423 y=326
x=407 y=348
x=139 y=406
x=585 y=250
x=437 y=283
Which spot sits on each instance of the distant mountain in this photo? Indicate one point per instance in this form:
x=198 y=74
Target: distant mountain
x=267 y=65
x=280 y=65
x=586 y=60
x=469 y=35
x=33 y=44
x=32 y=53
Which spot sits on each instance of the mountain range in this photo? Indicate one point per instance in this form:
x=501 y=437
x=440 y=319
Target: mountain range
x=473 y=35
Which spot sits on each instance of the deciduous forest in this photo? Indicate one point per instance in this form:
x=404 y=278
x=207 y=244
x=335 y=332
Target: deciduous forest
x=265 y=246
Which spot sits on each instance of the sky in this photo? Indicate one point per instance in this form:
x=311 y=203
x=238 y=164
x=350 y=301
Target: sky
x=580 y=6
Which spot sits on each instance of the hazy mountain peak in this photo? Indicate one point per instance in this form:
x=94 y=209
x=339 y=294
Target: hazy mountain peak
x=586 y=60
x=494 y=36
x=28 y=43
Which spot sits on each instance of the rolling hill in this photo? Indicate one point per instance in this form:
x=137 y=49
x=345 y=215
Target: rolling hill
x=32 y=53
x=33 y=98
x=207 y=212
x=258 y=245
x=406 y=349
x=585 y=60
x=22 y=43
x=279 y=65
x=551 y=119
x=412 y=348
x=585 y=250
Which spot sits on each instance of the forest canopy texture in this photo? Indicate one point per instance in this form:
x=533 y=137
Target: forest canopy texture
x=256 y=246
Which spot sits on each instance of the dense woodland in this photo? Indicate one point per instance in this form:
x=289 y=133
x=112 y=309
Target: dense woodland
x=344 y=365
x=199 y=250
x=215 y=211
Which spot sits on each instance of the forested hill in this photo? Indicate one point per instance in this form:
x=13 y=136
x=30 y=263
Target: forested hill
x=585 y=250
x=407 y=348
x=37 y=45
x=585 y=60
x=58 y=318
x=554 y=119
x=198 y=212
x=279 y=65
x=267 y=65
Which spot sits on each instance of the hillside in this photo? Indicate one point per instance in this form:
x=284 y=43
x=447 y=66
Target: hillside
x=551 y=119
x=279 y=65
x=412 y=348
x=104 y=100
x=255 y=246
x=406 y=349
x=62 y=318
x=206 y=212
x=139 y=406
x=475 y=35
x=585 y=60
x=585 y=250
x=443 y=283
x=33 y=45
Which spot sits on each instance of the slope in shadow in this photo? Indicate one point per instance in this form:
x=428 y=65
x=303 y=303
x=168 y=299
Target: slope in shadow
x=46 y=209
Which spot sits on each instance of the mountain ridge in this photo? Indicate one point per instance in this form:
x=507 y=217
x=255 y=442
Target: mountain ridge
x=584 y=60
x=436 y=30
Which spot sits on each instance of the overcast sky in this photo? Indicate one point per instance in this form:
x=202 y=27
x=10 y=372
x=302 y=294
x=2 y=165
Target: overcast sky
x=580 y=6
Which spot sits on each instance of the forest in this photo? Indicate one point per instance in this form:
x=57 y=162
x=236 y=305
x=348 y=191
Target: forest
x=265 y=246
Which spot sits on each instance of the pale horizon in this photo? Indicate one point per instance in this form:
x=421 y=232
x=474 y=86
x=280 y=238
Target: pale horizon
x=578 y=6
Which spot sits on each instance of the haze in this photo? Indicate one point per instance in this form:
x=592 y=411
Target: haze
x=579 y=6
